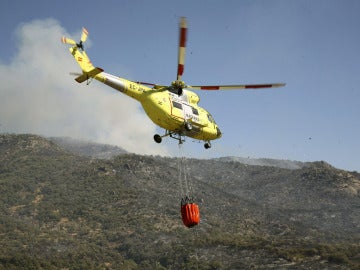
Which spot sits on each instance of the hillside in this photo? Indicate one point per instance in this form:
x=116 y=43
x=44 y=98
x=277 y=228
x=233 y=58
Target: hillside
x=62 y=210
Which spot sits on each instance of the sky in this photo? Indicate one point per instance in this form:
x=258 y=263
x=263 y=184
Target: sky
x=312 y=46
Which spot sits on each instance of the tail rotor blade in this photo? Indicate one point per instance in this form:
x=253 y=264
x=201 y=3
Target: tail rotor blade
x=182 y=48
x=80 y=45
x=68 y=41
x=84 y=35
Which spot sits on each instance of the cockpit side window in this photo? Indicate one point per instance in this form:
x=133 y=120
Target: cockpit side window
x=177 y=105
x=211 y=119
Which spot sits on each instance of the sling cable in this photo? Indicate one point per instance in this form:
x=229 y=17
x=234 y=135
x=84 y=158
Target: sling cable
x=190 y=212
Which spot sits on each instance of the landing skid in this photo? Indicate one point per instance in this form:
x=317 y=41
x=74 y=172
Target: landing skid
x=177 y=136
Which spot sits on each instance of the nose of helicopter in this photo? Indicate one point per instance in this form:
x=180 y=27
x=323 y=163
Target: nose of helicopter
x=218 y=132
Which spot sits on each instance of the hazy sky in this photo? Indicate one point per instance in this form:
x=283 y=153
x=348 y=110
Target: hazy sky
x=312 y=45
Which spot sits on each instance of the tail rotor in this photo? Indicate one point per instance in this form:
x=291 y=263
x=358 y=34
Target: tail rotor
x=79 y=45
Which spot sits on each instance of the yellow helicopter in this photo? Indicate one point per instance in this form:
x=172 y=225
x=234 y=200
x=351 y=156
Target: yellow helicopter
x=174 y=108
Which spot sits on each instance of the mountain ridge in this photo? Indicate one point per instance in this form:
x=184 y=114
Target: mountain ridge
x=280 y=163
x=107 y=151
x=88 y=148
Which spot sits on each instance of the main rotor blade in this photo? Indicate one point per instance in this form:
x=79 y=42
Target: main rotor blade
x=182 y=47
x=84 y=35
x=234 y=87
x=68 y=41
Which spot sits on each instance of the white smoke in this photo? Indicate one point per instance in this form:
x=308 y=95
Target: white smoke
x=37 y=95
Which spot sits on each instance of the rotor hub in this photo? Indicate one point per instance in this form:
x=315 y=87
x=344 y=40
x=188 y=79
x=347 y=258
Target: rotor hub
x=80 y=45
x=178 y=84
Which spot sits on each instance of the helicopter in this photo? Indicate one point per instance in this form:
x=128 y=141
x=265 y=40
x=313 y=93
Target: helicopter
x=173 y=107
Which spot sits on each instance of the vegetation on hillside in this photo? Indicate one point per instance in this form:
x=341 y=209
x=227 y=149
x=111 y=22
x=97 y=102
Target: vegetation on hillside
x=63 y=211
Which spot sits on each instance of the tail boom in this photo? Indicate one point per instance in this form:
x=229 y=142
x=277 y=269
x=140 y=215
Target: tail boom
x=90 y=72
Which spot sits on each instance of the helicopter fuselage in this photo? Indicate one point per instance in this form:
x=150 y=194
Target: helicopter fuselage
x=179 y=114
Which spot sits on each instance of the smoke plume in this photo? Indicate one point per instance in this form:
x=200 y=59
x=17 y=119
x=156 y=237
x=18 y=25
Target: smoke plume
x=38 y=96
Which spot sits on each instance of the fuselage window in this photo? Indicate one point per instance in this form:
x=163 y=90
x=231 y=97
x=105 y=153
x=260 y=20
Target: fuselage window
x=195 y=111
x=177 y=105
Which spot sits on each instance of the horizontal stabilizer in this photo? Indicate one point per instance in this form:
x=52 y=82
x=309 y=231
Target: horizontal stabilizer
x=86 y=75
